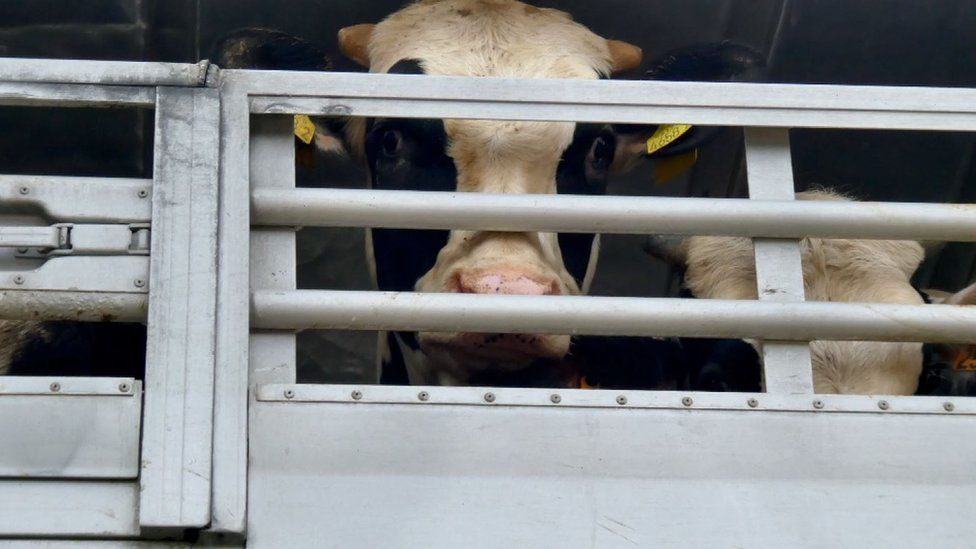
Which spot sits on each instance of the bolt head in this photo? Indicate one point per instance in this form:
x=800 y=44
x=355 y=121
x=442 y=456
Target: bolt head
x=124 y=387
x=948 y=406
x=55 y=387
x=555 y=399
x=687 y=401
x=139 y=283
x=424 y=396
x=489 y=397
x=357 y=395
x=19 y=279
x=818 y=404
x=24 y=190
x=289 y=394
x=621 y=400
x=752 y=403
x=143 y=193
x=883 y=404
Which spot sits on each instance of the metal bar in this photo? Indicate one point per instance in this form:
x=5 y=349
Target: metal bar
x=72 y=432
x=49 y=508
x=115 y=274
x=636 y=102
x=74 y=95
x=178 y=422
x=627 y=316
x=232 y=333
x=79 y=306
x=78 y=199
x=585 y=398
x=612 y=214
x=30 y=237
x=272 y=355
x=787 y=366
x=116 y=73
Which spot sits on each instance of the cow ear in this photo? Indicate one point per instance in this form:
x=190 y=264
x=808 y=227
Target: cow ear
x=966 y=296
x=720 y=62
x=266 y=49
x=354 y=42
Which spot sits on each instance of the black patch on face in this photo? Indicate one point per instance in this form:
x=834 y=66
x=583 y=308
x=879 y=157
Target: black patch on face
x=410 y=155
x=583 y=170
x=83 y=349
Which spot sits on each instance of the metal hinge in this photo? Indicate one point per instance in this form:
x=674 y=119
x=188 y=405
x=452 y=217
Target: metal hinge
x=77 y=239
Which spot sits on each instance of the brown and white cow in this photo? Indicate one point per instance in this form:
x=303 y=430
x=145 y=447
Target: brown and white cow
x=484 y=38
x=841 y=270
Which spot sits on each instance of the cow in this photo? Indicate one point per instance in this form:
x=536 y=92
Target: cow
x=949 y=370
x=61 y=348
x=839 y=270
x=486 y=38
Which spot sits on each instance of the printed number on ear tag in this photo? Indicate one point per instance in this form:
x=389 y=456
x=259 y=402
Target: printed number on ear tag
x=304 y=128
x=665 y=135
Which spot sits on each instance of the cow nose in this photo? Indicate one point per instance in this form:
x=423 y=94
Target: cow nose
x=505 y=281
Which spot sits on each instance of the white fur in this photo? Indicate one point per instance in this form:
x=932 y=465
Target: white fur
x=841 y=270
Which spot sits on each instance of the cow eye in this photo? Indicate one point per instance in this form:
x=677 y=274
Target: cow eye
x=601 y=154
x=392 y=142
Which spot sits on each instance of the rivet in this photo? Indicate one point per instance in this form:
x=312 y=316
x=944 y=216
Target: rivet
x=55 y=387
x=555 y=399
x=621 y=400
x=18 y=279
x=949 y=406
x=818 y=404
x=289 y=394
x=423 y=396
x=24 y=190
x=687 y=401
x=883 y=404
x=143 y=193
x=752 y=403
x=124 y=387
x=139 y=283
x=489 y=397
x=357 y=395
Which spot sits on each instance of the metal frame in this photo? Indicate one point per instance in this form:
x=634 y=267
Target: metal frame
x=222 y=312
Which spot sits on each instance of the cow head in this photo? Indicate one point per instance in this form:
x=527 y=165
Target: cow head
x=487 y=38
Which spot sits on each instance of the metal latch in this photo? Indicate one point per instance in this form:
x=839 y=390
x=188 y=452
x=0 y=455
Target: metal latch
x=77 y=239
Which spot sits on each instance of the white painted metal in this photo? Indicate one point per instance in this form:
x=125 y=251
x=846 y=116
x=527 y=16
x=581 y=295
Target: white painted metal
x=779 y=270
x=30 y=237
x=81 y=306
x=69 y=508
x=272 y=355
x=638 y=400
x=638 y=102
x=118 y=273
x=103 y=544
x=78 y=199
x=631 y=316
x=232 y=332
x=383 y=475
x=69 y=428
x=103 y=73
x=612 y=214
x=178 y=422
x=74 y=95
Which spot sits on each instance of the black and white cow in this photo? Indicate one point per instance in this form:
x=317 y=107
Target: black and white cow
x=488 y=38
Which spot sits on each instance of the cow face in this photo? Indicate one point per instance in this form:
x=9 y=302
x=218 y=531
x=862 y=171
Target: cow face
x=488 y=38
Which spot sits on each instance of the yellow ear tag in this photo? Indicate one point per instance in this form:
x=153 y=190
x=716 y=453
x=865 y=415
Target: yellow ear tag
x=304 y=128
x=665 y=135
x=666 y=169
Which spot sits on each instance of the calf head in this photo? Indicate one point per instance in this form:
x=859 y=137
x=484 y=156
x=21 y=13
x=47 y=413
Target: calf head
x=488 y=38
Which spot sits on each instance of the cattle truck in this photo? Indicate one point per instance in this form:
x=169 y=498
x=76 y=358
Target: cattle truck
x=224 y=442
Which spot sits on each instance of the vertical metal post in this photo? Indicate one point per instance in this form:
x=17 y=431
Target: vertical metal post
x=273 y=263
x=779 y=269
x=178 y=413
x=233 y=307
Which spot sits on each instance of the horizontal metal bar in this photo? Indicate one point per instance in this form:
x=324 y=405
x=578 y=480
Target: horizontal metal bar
x=625 y=316
x=30 y=237
x=78 y=199
x=581 y=398
x=80 y=306
x=69 y=386
x=612 y=214
x=69 y=508
x=635 y=102
x=125 y=73
x=15 y=94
